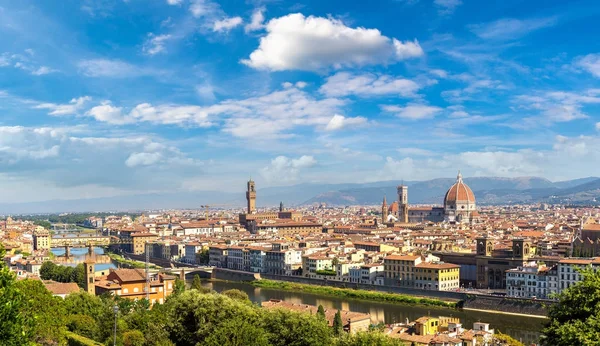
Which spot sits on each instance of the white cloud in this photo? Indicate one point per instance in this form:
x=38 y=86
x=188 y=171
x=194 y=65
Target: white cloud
x=108 y=68
x=256 y=22
x=171 y=114
x=408 y=49
x=598 y=126
x=108 y=113
x=226 y=24
x=284 y=169
x=142 y=159
x=71 y=108
x=204 y=8
x=511 y=28
x=339 y=122
x=368 y=84
x=590 y=63
x=413 y=111
x=296 y=42
x=446 y=7
x=155 y=44
x=174 y=2
x=558 y=106
x=42 y=71
x=206 y=92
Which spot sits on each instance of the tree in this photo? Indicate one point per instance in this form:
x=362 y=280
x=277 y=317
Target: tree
x=505 y=340
x=296 y=329
x=179 y=286
x=192 y=317
x=196 y=283
x=237 y=332
x=338 y=325
x=46 y=310
x=133 y=338
x=321 y=312
x=14 y=324
x=43 y=223
x=202 y=256
x=236 y=294
x=575 y=320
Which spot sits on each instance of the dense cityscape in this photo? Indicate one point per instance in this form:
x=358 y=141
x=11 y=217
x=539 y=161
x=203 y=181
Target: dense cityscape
x=514 y=259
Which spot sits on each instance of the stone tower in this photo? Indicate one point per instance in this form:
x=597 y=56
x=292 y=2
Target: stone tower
x=281 y=207
x=90 y=286
x=251 y=197
x=384 y=211
x=403 y=203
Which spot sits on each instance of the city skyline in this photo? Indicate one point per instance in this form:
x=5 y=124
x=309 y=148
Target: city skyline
x=110 y=98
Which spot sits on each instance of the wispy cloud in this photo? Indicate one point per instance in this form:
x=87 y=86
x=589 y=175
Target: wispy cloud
x=511 y=28
x=447 y=7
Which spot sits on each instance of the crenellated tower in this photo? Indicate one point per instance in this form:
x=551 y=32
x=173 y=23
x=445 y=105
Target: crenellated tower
x=251 y=196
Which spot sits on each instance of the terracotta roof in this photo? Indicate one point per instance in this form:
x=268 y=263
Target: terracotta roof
x=128 y=275
x=62 y=288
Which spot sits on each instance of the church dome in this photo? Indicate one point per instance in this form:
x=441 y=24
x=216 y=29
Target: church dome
x=459 y=193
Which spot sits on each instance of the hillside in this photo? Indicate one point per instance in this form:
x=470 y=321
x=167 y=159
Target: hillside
x=488 y=190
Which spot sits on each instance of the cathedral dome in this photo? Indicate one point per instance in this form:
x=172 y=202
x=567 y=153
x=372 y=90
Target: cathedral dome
x=459 y=193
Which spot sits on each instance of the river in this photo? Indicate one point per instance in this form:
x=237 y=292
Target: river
x=526 y=329
x=81 y=252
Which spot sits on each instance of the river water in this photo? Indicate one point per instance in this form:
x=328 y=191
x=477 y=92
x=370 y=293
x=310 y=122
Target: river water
x=81 y=252
x=526 y=329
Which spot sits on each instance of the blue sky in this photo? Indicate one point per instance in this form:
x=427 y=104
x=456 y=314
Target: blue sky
x=114 y=97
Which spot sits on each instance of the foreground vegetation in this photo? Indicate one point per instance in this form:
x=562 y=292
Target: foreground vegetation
x=575 y=320
x=352 y=293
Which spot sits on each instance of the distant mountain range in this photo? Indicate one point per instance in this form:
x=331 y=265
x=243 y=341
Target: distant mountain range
x=488 y=190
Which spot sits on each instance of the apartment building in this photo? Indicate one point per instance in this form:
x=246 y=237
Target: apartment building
x=437 y=276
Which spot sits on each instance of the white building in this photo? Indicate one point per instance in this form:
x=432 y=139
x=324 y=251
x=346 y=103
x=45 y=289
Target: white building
x=528 y=281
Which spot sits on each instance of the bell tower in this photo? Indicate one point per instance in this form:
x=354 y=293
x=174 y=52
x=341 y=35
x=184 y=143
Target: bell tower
x=251 y=196
x=384 y=211
x=403 y=203
x=89 y=267
x=485 y=246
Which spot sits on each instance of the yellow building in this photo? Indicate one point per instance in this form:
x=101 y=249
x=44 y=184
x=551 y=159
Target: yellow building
x=131 y=284
x=437 y=276
x=42 y=240
x=427 y=325
x=400 y=269
x=140 y=240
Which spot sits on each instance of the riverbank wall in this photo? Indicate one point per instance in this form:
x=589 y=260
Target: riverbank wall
x=464 y=300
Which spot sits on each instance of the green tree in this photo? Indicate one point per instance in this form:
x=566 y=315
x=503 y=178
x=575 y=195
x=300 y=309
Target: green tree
x=575 y=320
x=505 y=340
x=237 y=332
x=236 y=294
x=202 y=256
x=15 y=326
x=296 y=329
x=179 y=286
x=133 y=338
x=192 y=317
x=196 y=283
x=338 y=325
x=321 y=312
x=46 y=310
